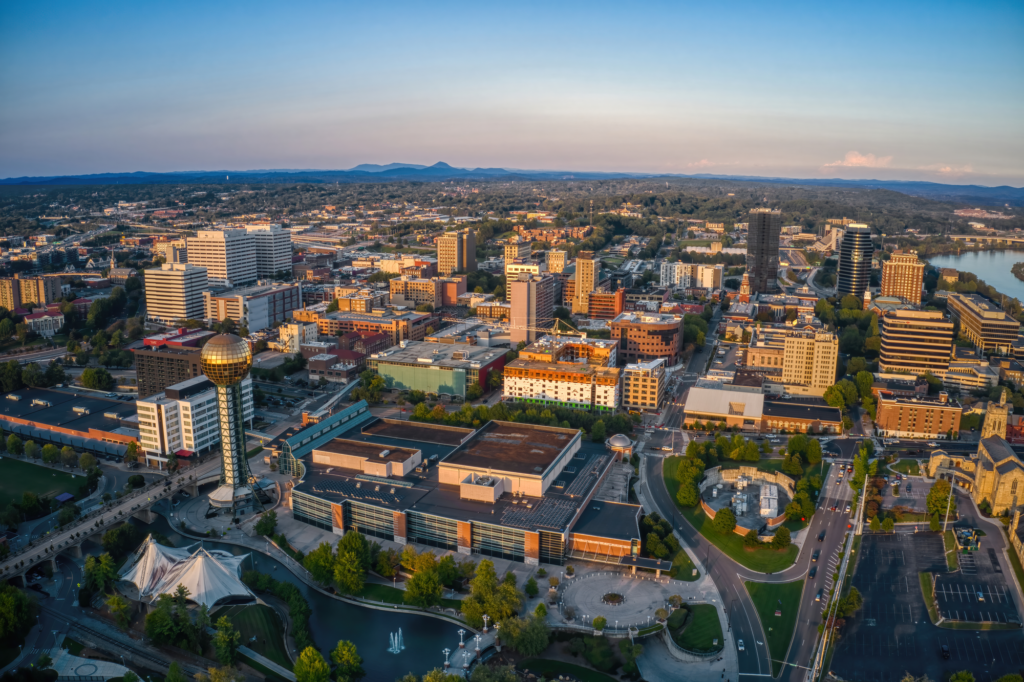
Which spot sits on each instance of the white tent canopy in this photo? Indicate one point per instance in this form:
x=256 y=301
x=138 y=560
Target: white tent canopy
x=211 y=576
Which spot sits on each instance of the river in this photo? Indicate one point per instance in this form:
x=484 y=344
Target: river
x=334 y=620
x=991 y=266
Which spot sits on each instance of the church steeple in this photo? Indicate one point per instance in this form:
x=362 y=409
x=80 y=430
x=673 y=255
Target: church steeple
x=996 y=417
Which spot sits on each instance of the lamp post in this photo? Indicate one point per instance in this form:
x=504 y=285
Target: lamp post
x=497 y=640
x=486 y=618
x=462 y=644
x=478 y=645
x=446 y=652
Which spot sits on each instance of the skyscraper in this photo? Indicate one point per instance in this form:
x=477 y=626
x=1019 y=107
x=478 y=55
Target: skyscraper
x=226 y=361
x=533 y=306
x=228 y=256
x=456 y=251
x=588 y=272
x=855 y=261
x=174 y=291
x=763 y=229
x=903 y=275
x=273 y=247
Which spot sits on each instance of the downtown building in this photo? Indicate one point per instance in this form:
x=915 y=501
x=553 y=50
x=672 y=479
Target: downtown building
x=915 y=342
x=763 y=229
x=921 y=416
x=903 y=277
x=648 y=336
x=566 y=371
x=983 y=323
x=456 y=252
x=273 y=247
x=440 y=368
x=644 y=385
x=854 y=269
x=255 y=307
x=804 y=360
x=229 y=256
x=587 y=277
x=532 y=306
x=28 y=292
x=397 y=326
x=175 y=292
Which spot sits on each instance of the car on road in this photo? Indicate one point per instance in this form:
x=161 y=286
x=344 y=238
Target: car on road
x=811 y=573
x=817 y=597
x=848 y=509
x=817 y=553
x=908 y=487
x=185 y=494
x=932 y=444
x=739 y=644
x=821 y=536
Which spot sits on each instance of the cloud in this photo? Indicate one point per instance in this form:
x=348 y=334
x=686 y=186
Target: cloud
x=703 y=163
x=942 y=169
x=858 y=160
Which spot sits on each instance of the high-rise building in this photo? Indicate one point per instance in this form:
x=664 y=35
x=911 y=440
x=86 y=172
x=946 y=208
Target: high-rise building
x=229 y=256
x=708 y=277
x=644 y=385
x=456 y=251
x=588 y=273
x=855 y=251
x=763 y=230
x=175 y=292
x=156 y=368
x=514 y=250
x=672 y=274
x=917 y=417
x=565 y=371
x=226 y=361
x=256 y=307
x=414 y=291
x=555 y=261
x=903 y=276
x=26 y=292
x=803 y=360
x=648 y=336
x=983 y=323
x=532 y=298
x=273 y=246
x=172 y=252
x=916 y=341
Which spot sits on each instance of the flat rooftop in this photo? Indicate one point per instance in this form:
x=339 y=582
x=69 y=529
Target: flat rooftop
x=514 y=448
x=609 y=520
x=417 y=432
x=372 y=451
x=440 y=355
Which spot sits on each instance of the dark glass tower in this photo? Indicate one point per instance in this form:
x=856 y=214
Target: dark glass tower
x=855 y=261
x=763 y=229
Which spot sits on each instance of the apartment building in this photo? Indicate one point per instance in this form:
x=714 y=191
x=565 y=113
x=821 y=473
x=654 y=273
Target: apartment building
x=255 y=307
x=648 y=336
x=555 y=260
x=456 y=251
x=413 y=291
x=494 y=310
x=175 y=292
x=903 y=276
x=156 y=368
x=451 y=289
x=532 y=300
x=708 y=277
x=607 y=305
x=227 y=255
x=917 y=417
x=28 y=292
x=516 y=250
x=915 y=341
x=292 y=335
x=273 y=247
x=566 y=372
x=360 y=299
x=588 y=274
x=804 y=359
x=397 y=326
x=182 y=420
x=854 y=267
x=764 y=227
x=644 y=385
x=983 y=322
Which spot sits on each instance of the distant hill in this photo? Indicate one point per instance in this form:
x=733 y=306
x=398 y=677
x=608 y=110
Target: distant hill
x=368 y=172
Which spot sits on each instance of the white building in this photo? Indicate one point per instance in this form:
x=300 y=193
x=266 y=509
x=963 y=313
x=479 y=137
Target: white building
x=294 y=334
x=229 y=256
x=255 y=307
x=708 y=277
x=672 y=275
x=273 y=247
x=175 y=292
x=183 y=419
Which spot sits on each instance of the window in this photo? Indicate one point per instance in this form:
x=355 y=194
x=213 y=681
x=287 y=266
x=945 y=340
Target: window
x=1013 y=488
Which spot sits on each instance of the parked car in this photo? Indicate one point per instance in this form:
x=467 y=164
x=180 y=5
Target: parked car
x=848 y=509
x=945 y=651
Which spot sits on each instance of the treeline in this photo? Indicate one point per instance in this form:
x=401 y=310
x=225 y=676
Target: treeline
x=597 y=425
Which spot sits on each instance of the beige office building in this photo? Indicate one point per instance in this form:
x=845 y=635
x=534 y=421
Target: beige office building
x=588 y=272
x=555 y=261
x=175 y=292
x=983 y=322
x=903 y=276
x=456 y=251
x=26 y=292
x=413 y=291
x=804 y=359
x=273 y=246
x=514 y=250
x=916 y=341
x=228 y=256
x=643 y=385
x=532 y=300
x=173 y=252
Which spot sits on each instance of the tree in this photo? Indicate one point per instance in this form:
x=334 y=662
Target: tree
x=348 y=661
x=782 y=538
x=962 y=676
x=15 y=446
x=530 y=588
x=934 y=524
x=100 y=572
x=876 y=525
x=86 y=461
x=51 y=454
x=6 y=329
x=98 y=379
x=69 y=458
x=348 y=572
x=120 y=609
x=424 y=588
x=888 y=524
x=473 y=392
x=725 y=520
x=320 y=563
x=17 y=613
x=597 y=431
x=226 y=641
x=599 y=623
x=311 y=667
x=864 y=382
x=267 y=523
x=813 y=453
x=32 y=450
x=939 y=497
x=225 y=674
x=132 y=453
x=174 y=673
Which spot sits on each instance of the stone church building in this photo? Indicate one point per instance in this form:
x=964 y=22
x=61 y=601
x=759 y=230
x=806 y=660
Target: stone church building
x=995 y=473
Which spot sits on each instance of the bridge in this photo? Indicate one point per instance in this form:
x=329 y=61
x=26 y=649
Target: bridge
x=982 y=239
x=69 y=539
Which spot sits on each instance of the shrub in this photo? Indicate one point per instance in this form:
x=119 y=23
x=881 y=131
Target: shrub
x=661 y=614
x=600 y=622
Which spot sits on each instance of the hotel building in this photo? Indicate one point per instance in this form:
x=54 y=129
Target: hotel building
x=566 y=371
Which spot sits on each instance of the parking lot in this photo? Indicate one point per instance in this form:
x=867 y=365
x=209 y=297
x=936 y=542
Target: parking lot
x=892 y=634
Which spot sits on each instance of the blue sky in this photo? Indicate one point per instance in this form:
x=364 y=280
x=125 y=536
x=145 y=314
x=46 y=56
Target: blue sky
x=902 y=90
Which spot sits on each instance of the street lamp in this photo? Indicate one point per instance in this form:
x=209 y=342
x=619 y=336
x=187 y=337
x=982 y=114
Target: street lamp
x=462 y=644
x=446 y=652
x=486 y=618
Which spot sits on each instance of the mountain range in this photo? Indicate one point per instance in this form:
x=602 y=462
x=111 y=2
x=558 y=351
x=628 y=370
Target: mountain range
x=369 y=172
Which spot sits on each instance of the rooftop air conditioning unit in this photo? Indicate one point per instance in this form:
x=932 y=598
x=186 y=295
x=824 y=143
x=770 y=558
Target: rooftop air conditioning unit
x=384 y=454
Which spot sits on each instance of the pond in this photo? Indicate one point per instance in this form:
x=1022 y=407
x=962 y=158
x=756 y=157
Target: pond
x=333 y=620
x=991 y=266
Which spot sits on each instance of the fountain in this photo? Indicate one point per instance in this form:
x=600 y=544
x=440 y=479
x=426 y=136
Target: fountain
x=397 y=643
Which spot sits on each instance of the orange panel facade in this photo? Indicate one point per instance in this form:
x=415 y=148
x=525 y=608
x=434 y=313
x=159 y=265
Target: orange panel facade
x=532 y=547
x=465 y=537
x=399 y=526
x=338 y=517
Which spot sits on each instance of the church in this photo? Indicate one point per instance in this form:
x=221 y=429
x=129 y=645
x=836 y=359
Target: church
x=995 y=474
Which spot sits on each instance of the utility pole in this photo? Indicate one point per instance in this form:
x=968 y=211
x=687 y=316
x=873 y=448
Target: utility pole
x=949 y=501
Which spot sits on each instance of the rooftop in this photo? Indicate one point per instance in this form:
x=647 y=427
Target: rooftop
x=417 y=432
x=789 y=410
x=609 y=520
x=459 y=356
x=514 y=448
x=366 y=450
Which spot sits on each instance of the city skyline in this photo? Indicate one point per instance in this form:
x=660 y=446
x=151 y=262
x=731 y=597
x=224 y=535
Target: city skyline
x=913 y=92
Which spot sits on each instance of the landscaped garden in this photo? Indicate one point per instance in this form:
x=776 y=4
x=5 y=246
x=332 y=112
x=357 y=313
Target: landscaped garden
x=696 y=628
x=17 y=478
x=777 y=622
x=261 y=630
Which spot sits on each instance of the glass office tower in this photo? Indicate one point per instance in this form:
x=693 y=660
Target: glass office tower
x=855 y=253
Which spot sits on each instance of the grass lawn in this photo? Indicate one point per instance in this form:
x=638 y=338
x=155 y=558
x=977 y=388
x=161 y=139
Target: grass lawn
x=682 y=567
x=778 y=629
x=952 y=559
x=255 y=451
x=391 y=595
x=552 y=669
x=72 y=646
x=908 y=467
x=926 y=591
x=762 y=560
x=703 y=629
x=18 y=477
x=263 y=623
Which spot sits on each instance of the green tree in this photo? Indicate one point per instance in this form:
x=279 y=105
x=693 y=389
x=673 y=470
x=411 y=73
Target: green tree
x=100 y=572
x=226 y=641
x=424 y=589
x=174 y=673
x=348 y=662
x=348 y=573
x=813 y=453
x=876 y=525
x=939 y=497
x=32 y=450
x=17 y=613
x=51 y=454
x=962 y=676
x=597 y=431
x=865 y=380
x=15 y=446
x=782 y=538
x=600 y=622
x=311 y=667
x=320 y=563
x=888 y=524
x=120 y=609
x=267 y=523
x=98 y=379
x=6 y=329
x=725 y=520
x=934 y=524
x=68 y=458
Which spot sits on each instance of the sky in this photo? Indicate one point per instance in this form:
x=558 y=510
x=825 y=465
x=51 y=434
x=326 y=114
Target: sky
x=891 y=90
